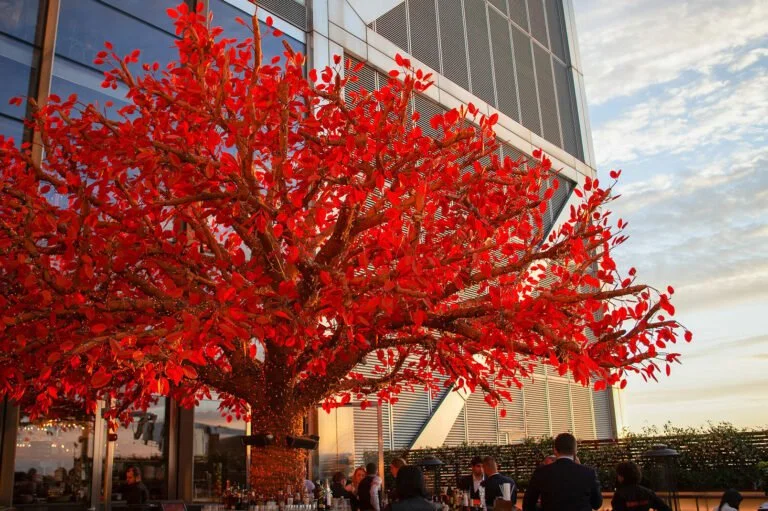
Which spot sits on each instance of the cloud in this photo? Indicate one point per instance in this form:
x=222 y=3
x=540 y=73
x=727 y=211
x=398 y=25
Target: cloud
x=701 y=229
x=628 y=46
x=748 y=59
x=706 y=111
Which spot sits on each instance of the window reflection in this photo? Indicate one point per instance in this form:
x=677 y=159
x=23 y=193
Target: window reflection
x=224 y=16
x=143 y=444
x=84 y=26
x=219 y=453
x=18 y=18
x=54 y=461
x=19 y=37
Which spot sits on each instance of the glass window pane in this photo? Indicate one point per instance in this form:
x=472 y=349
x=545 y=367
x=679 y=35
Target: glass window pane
x=84 y=26
x=70 y=78
x=11 y=128
x=144 y=445
x=17 y=60
x=219 y=452
x=54 y=460
x=224 y=16
x=152 y=12
x=18 y=18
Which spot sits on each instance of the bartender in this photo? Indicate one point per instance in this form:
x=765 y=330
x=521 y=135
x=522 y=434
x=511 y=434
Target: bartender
x=471 y=482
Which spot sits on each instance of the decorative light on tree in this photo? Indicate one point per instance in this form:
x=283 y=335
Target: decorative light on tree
x=238 y=228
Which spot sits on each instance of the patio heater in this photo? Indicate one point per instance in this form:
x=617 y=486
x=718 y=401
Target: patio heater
x=662 y=474
x=432 y=468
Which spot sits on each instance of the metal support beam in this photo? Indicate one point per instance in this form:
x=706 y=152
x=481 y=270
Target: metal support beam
x=9 y=424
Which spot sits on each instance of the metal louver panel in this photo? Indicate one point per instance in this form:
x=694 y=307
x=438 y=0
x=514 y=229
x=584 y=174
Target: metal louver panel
x=547 y=101
x=366 y=433
x=583 y=415
x=526 y=81
x=500 y=5
x=557 y=37
x=422 y=16
x=481 y=420
x=394 y=26
x=458 y=433
x=503 y=65
x=452 y=43
x=514 y=422
x=427 y=109
x=290 y=10
x=536 y=413
x=409 y=415
x=601 y=401
x=367 y=79
x=479 y=50
x=559 y=407
x=538 y=21
x=519 y=13
x=567 y=103
x=557 y=202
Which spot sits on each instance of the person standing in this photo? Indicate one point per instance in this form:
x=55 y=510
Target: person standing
x=134 y=492
x=629 y=495
x=338 y=486
x=494 y=481
x=730 y=502
x=564 y=485
x=368 y=490
x=409 y=485
x=352 y=486
x=471 y=482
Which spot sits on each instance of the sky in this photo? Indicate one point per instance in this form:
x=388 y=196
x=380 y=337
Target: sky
x=678 y=99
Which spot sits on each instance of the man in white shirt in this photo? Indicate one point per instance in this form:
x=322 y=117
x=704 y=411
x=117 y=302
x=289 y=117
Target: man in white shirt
x=471 y=482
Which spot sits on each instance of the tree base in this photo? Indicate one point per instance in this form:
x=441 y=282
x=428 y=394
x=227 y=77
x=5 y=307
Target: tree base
x=274 y=469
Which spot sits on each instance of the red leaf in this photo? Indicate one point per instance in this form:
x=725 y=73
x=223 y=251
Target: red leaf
x=100 y=379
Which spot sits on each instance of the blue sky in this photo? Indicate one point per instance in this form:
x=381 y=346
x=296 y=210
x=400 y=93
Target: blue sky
x=678 y=99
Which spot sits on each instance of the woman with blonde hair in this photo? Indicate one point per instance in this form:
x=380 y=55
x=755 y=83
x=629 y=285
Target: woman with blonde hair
x=357 y=476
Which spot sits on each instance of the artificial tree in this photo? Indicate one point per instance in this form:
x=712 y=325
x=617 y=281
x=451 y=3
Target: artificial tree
x=241 y=228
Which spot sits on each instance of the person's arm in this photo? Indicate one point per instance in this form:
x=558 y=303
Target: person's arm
x=596 y=496
x=532 y=493
x=658 y=504
x=514 y=493
x=375 y=486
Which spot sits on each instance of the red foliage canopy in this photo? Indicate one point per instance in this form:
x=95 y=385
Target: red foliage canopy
x=242 y=229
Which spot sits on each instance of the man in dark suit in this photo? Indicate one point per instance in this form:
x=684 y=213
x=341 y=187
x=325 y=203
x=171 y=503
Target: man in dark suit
x=470 y=483
x=564 y=485
x=494 y=482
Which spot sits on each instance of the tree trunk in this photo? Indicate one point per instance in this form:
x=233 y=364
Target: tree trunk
x=276 y=467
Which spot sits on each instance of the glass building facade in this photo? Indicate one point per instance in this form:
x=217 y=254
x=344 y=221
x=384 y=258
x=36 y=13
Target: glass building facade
x=516 y=57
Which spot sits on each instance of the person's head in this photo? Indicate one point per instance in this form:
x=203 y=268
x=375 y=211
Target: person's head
x=395 y=465
x=565 y=445
x=477 y=466
x=371 y=469
x=489 y=465
x=358 y=476
x=731 y=497
x=549 y=460
x=628 y=473
x=338 y=477
x=132 y=475
x=410 y=482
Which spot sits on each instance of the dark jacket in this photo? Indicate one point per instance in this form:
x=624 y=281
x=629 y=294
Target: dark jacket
x=364 y=494
x=136 y=495
x=339 y=492
x=413 y=504
x=634 y=497
x=563 y=486
x=467 y=484
x=492 y=486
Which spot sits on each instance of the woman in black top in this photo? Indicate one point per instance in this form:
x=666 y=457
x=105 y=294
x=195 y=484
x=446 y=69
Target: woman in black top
x=411 y=494
x=630 y=496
